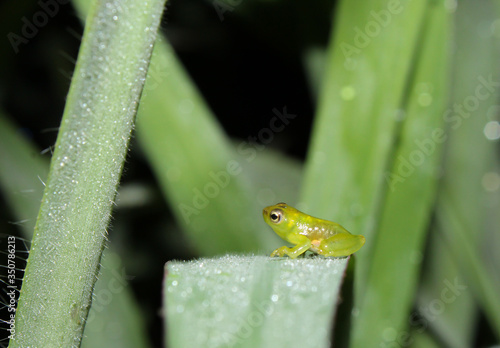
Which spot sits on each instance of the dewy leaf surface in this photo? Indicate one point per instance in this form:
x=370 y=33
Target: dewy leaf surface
x=251 y=301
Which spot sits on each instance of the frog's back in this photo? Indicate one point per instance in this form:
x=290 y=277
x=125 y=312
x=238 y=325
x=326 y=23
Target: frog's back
x=318 y=229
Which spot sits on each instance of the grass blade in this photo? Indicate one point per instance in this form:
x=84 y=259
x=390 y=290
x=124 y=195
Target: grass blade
x=384 y=311
x=115 y=318
x=468 y=157
x=465 y=206
x=89 y=154
x=357 y=116
x=22 y=170
x=22 y=174
x=201 y=175
x=454 y=323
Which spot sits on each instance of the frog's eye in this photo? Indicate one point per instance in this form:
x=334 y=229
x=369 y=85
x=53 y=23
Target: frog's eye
x=276 y=216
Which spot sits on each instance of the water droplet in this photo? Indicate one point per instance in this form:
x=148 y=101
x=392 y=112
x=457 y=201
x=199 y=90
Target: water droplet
x=348 y=93
x=389 y=334
x=400 y=115
x=492 y=130
x=425 y=99
x=491 y=181
x=450 y=5
x=495 y=28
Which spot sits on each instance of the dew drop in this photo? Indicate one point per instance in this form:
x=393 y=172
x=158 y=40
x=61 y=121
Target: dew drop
x=389 y=334
x=348 y=93
x=495 y=28
x=491 y=181
x=425 y=99
x=492 y=130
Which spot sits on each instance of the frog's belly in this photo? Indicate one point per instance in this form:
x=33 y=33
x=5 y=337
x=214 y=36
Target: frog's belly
x=315 y=245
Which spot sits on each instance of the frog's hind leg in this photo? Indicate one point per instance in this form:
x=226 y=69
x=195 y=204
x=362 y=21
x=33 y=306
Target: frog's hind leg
x=341 y=244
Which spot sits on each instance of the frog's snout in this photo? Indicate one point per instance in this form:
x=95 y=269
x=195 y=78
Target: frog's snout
x=265 y=212
x=361 y=240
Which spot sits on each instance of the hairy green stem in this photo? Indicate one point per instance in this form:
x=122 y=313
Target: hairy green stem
x=88 y=159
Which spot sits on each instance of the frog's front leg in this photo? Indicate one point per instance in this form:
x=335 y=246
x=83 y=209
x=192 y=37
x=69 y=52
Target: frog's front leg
x=302 y=245
x=341 y=244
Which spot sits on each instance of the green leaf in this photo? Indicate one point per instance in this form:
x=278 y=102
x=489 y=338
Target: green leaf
x=115 y=319
x=22 y=174
x=85 y=169
x=22 y=171
x=274 y=177
x=251 y=301
x=363 y=89
x=424 y=339
x=384 y=312
x=201 y=175
x=356 y=124
x=468 y=157
x=466 y=210
x=452 y=321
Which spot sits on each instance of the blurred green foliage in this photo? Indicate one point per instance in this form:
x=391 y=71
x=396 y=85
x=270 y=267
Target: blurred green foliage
x=382 y=79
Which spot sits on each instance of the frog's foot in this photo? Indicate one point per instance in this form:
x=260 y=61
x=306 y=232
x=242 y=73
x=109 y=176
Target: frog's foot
x=341 y=244
x=281 y=251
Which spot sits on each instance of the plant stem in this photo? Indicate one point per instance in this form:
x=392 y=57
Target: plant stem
x=88 y=159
